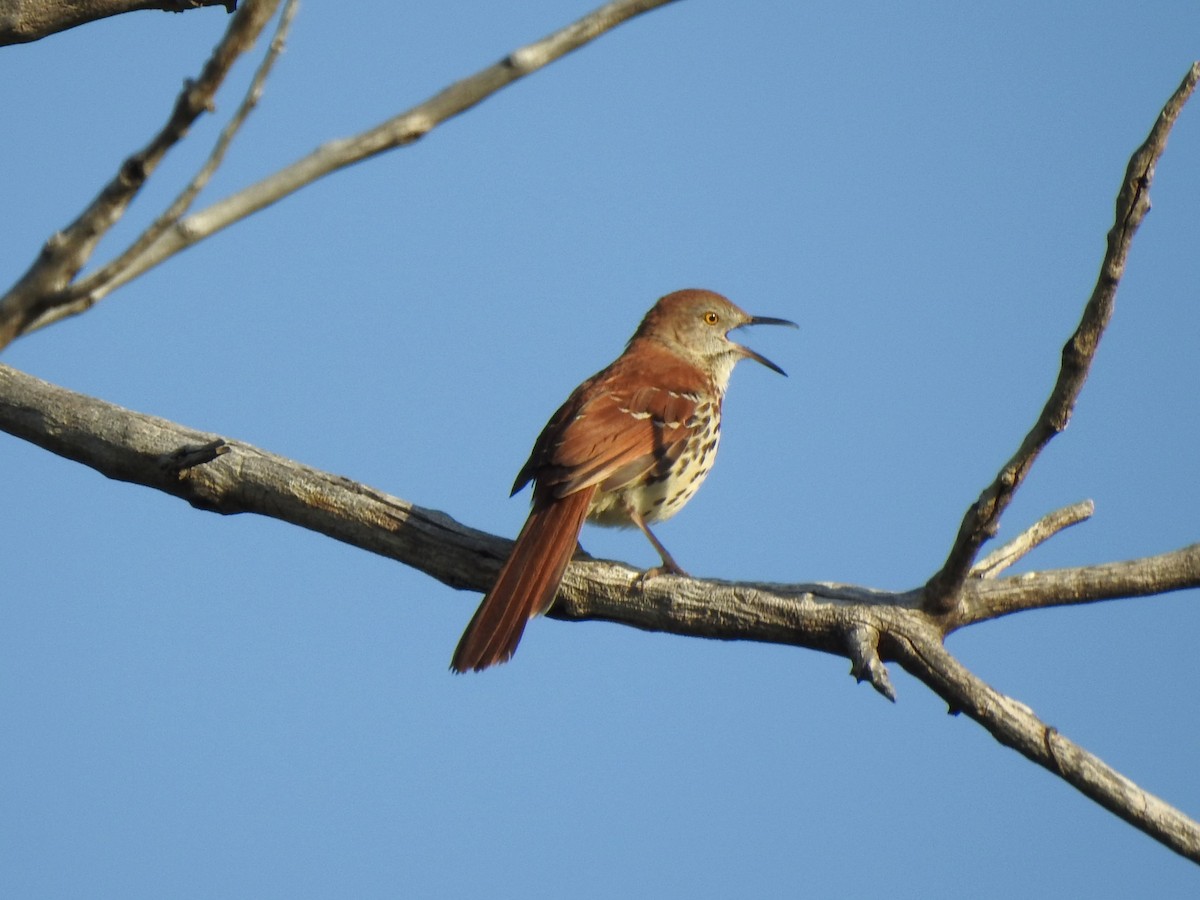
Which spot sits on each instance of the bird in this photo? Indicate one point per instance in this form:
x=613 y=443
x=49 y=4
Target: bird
x=631 y=445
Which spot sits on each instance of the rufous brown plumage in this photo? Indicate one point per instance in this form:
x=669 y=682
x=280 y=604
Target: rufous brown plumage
x=631 y=445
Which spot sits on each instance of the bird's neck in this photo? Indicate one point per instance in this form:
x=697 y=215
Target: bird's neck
x=679 y=368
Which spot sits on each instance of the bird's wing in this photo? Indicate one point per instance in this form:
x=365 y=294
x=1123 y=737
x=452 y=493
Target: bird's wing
x=616 y=436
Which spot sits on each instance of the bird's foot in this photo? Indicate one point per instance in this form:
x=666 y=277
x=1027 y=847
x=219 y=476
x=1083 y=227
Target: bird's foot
x=671 y=568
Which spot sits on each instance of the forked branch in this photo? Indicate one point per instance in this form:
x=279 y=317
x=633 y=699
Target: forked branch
x=48 y=292
x=1133 y=201
x=866 y=626
x=42 y=288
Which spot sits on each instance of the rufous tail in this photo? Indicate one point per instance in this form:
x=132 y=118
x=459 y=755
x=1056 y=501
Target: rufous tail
x=527 y=584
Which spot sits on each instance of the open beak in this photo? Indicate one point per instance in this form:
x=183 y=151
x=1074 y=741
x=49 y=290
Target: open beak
x=758 y=357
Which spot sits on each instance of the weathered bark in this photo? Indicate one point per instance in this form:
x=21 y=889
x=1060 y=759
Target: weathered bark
x=866 y=626
x=22 y=21
x=869 y=627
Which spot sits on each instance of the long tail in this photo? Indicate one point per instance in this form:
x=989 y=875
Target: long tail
x=526 y=585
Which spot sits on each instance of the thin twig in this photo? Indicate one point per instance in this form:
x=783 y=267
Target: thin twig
x=68 y=251
x=1037 y=533
x=1133 y=201
x=398 y=131
x=81 y=296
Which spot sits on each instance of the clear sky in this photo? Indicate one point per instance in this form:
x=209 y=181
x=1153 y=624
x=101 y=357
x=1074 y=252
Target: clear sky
x=198 y=706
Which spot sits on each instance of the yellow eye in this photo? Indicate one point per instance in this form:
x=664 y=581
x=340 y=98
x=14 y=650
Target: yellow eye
x=711 y=318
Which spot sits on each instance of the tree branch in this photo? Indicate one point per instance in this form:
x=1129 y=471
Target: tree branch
x=23 y=21
x=864 y=625
x=1037 y=533
x=42 y=287
x=227 y=477
x=1014 y=724
x=45 y=295
x=1177 y=570
x=82 y=295
x=1133 y=202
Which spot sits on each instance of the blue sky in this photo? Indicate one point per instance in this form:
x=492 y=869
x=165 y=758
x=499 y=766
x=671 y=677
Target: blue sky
x=198 y=706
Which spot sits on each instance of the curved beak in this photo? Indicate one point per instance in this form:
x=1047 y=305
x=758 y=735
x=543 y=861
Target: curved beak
x=758 y=357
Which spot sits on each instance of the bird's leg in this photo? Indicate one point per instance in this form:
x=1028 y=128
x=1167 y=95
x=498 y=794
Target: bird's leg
x=668 y=562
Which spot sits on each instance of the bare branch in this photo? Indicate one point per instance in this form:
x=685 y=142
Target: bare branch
x=227 y=476
x=82 y=295
x=22 y=21
x=399 y=131
x=45 y=294
x=66 y=252
x=1037 y=533
x=1133 y=201
x=987 y=599
x=1014 y=724
x=865 y=625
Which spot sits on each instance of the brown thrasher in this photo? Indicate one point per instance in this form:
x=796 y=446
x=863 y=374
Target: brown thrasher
x=631 y=444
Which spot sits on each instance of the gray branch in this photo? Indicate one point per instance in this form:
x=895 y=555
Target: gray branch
x=226 y=476
x=79 y=298
x=989 y=599
x=42 y=288
x=864 y=625
x=46 y=294
x=1133 y=202
x=1015 y=725
x=1037 y=533
x=22 y=21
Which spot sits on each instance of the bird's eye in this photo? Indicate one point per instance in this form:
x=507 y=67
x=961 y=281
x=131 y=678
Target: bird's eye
x=711 y=318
